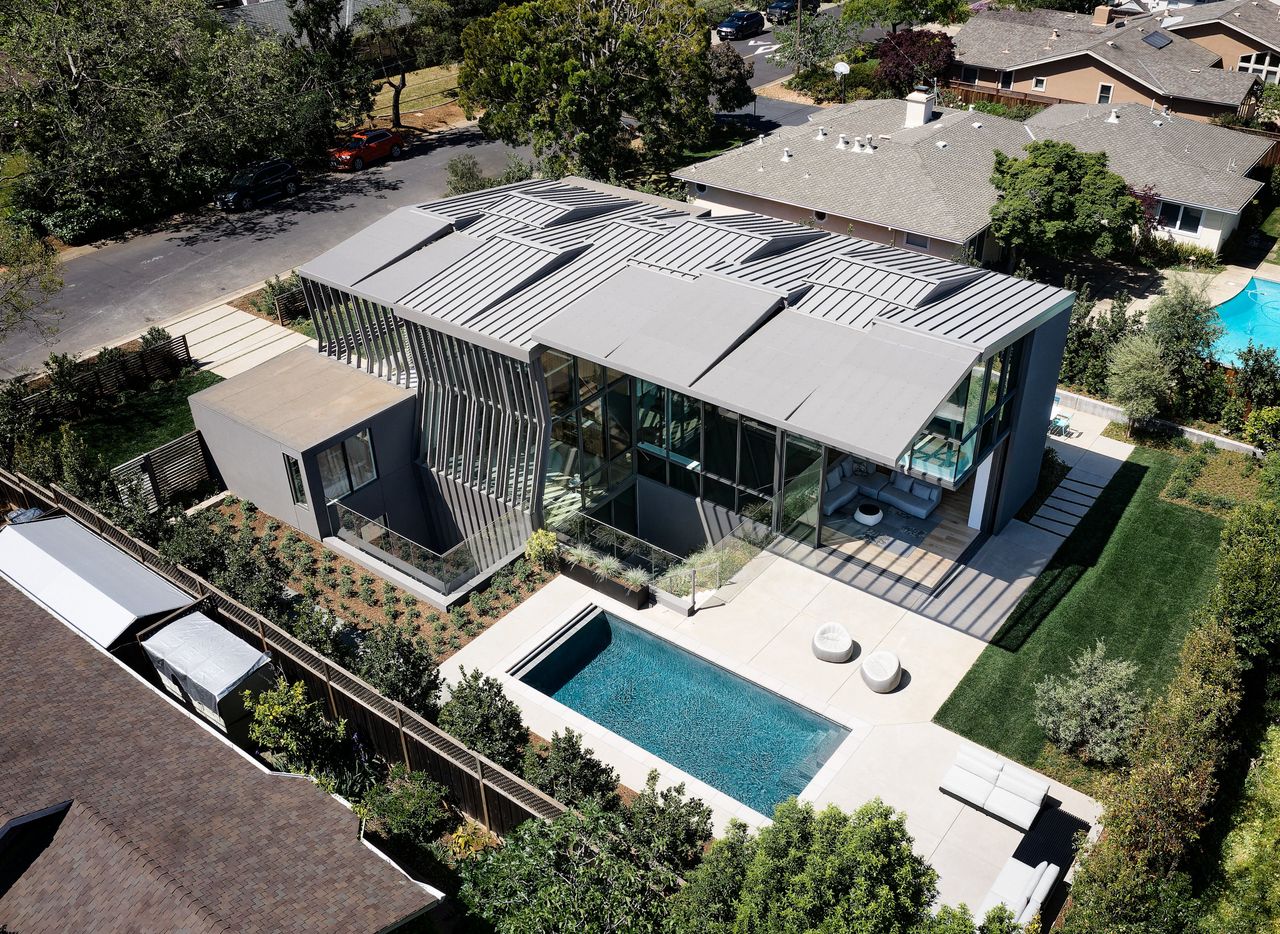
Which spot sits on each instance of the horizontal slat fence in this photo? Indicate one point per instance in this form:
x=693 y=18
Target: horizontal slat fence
x=180 y=465
x=481 y=789
x=132 y=369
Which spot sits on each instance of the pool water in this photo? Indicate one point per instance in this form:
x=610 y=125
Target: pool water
x=1252 y=314
x=739 y=738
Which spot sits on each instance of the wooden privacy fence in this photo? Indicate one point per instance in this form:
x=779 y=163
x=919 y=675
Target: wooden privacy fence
x=481 y=789
x=290 y=305
x=181 y=465
x=130 y=369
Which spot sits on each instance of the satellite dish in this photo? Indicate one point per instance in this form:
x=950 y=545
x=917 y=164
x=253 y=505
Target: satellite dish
x=842 y=68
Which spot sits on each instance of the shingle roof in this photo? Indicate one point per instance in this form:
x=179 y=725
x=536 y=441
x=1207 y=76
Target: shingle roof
x=273 y=15
x=1009 y=39
x=908 y=182
x=1183 y=160
x=169 y=828
x=1258 y=19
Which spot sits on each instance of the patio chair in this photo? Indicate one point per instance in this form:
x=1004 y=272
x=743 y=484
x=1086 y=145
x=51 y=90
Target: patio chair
x=1060 y=424
x=832 y=643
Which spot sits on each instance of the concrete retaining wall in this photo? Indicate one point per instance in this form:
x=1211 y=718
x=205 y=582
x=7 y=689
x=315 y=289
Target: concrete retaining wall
x=1089 y=406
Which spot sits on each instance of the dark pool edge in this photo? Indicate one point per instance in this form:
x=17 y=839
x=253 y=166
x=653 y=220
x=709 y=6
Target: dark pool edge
x=561 y=635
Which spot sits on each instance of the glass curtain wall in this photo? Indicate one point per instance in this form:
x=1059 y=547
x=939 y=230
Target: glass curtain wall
x=968 y=424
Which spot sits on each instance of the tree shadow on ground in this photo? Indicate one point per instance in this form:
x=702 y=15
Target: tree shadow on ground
x=1077 y=555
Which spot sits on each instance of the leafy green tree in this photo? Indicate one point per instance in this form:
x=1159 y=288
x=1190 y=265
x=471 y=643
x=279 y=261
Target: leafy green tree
x=1138 y=378
x=465 y=175
x=1185 y=325
x=913 y=57
x=1112 y=894
x=125 y=109
x=1090 y=337
x=29 y=278
x=401 y=35
x=1262 y=428
x=1258 y=374
x=668 y=827
x=1057 y=203
x=1094 y=709
x=810 y=41
x=864 y=14
x=329 y=56
x=1247 y=593
x=810 y=871
x=730 y=77
x=397 y=660
x=17 y=419
x=235 y=562
x=578 y=873
x=480 y=715
x=408 y=808
x=294 y=729
x=561 y=74
x=570 y=773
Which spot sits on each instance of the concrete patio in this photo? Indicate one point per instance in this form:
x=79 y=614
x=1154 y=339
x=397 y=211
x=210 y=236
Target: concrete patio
x=893 y=751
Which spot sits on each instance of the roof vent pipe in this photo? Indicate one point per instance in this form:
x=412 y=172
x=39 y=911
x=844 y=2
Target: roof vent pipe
x=844 y=142
x=786 y=155
x=1115 y=116
x=972 y=108
x=822 y=133
x=760 y=140
x=871 y=146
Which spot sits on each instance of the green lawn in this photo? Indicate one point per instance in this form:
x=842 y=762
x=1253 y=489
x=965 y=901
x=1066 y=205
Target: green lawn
x=1132 y=573
x=144 y=420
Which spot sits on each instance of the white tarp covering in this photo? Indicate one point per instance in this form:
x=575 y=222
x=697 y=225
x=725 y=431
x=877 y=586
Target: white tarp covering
x=205 y=660
x=82 y=578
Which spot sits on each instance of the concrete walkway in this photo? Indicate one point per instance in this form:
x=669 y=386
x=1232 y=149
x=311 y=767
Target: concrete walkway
x=228 y=341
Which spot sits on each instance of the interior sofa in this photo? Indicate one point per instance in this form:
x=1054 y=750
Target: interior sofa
x=849 y=478
x=1022 y=889
x=986 y=782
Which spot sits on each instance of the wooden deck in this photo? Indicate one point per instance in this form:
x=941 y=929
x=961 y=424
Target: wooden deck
x=926 y=564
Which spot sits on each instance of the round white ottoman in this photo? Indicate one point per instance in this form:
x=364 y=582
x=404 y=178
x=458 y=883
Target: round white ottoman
x=832 y=643
x=881 y=671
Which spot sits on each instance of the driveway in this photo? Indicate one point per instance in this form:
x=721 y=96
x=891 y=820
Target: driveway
x=117 y=290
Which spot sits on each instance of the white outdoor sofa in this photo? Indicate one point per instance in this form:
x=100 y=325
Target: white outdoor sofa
x=988 y=783
x=1022 y=889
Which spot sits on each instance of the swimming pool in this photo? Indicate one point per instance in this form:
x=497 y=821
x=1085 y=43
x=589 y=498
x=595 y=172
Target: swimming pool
x=1251 y=314
x=739 y=738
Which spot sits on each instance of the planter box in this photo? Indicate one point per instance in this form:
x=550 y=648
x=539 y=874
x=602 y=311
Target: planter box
x=607 y=586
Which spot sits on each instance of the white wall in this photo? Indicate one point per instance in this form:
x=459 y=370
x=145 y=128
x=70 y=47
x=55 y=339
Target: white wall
x=1215 y=228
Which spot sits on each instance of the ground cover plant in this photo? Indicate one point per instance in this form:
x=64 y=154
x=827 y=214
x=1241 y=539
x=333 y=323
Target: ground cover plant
x=1132 y=573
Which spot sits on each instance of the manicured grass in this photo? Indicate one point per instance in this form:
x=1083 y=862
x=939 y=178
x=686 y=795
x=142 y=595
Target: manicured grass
x=725 y=135
x=144 y=420
x=1132 y=573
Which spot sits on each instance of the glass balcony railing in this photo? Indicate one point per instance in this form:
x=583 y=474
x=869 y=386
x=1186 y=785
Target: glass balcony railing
x=445 y=572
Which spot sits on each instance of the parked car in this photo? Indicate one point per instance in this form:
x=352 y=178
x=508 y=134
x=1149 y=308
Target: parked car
x=741 y=25
x=366 y=147
x=257 y=183
x=784 y=11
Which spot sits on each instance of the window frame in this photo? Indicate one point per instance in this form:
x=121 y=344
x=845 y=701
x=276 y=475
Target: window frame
x=1039 y=84
x=297 y=483
x=966 y=70
x=1110 y=93
x=1006 y=81
x=349 y=475
x=1177 y=224
x=922 y=242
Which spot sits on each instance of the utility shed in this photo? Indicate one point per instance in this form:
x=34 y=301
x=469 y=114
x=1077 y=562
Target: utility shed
x=200 y=661
x=91 y=584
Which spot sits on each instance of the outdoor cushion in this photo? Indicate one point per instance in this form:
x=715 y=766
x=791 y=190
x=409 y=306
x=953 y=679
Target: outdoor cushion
x=1011 y=807
x=871 y=484
x=1013 y=887
x=902 y=482
x=965 y=785
x=926 y=491
x=847 y=468
x=1023 y=784
x=1044 y=885
x=834 y=476
x=838 y=496
x=980 y=763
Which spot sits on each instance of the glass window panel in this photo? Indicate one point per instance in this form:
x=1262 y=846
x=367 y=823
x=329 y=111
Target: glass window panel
x=718 y=492
x=333 y=473
x=562 y=455
x=592 y=415
x=993 y=384
x=759 y=446
x=558 y=371
x=756 y=508
x=684 y=479
x=685 y=428
x=1190 y=222
x=802 y=472
x=359 y=450
x=594 y=488
x=651 y=419
x=590 y=378
x=619 y=413
x=1168 y=214
x=296 y=486
x=614 y=376
x=652 y=466
x=720 y=443
x=624 y=510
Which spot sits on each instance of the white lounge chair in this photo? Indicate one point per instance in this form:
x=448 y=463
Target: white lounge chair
x=989 y=784
x=1022 y=889
x=832 y=643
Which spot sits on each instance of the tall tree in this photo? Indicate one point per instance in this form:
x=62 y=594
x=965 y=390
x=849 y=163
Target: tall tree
x=1057 y=203
x=28 y=280
x=1185 y=325
x=325 y=36
x=730 y=77
x=401 y=35
x=1139 y=379
x=809 y=42
x=914 y=56
x=864 y=14
x=562 y=74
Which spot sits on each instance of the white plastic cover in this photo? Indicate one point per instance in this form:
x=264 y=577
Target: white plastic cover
x=82 y=578
x=207 y=661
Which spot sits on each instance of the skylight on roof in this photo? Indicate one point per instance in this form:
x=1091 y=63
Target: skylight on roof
x=1157 y=40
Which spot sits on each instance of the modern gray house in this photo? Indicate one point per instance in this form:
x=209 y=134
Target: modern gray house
x=569 y=347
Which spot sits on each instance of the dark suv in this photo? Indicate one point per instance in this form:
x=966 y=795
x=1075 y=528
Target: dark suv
x=784 y=11
x=258 y=182
x=741 y=25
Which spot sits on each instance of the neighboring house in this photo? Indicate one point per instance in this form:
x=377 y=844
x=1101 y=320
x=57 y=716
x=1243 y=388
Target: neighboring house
x=907 y=174
x=273 y=15
x=576 y=347
x=1051 y=56
x=120 y=812
x=1245 y=34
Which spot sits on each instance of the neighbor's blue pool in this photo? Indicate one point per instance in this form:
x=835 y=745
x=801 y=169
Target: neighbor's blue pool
x=1252 y=314
x=748 y=742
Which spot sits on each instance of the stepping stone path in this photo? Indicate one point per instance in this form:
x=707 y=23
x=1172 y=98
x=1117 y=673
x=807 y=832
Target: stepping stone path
x=1067 y=504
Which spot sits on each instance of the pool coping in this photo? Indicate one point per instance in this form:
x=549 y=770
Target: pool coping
x=521 y=655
